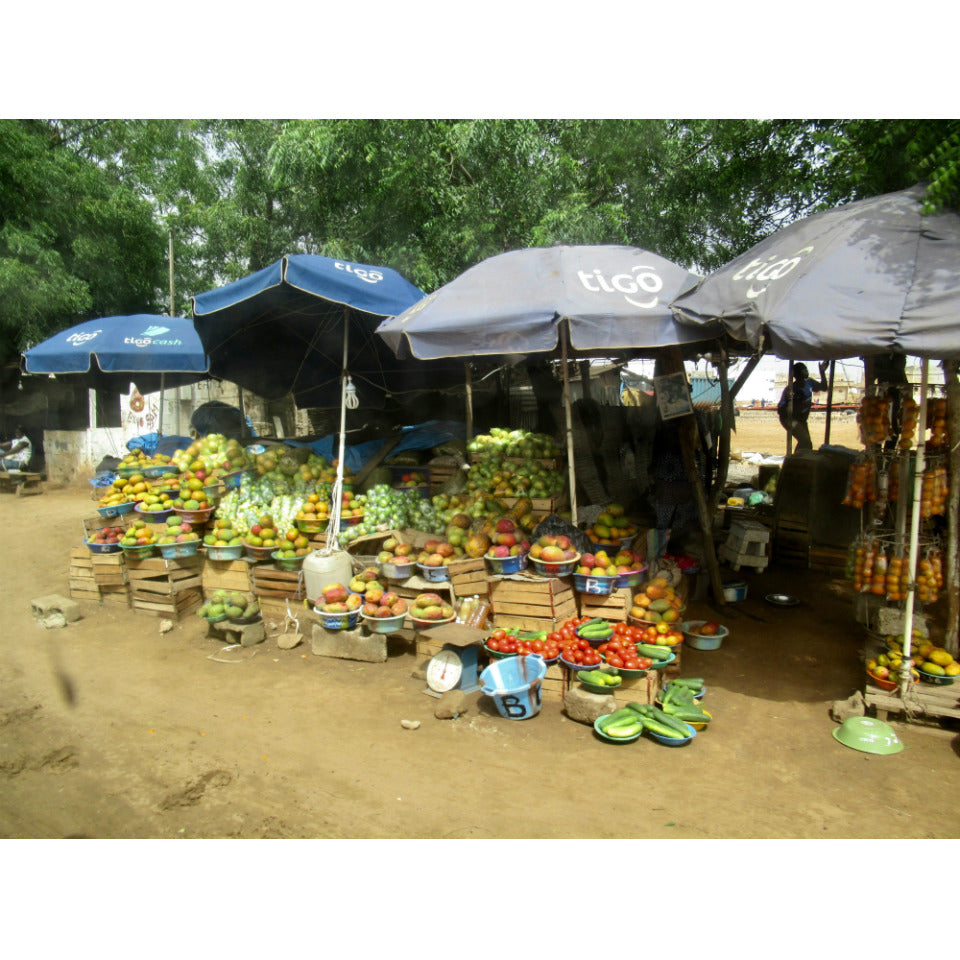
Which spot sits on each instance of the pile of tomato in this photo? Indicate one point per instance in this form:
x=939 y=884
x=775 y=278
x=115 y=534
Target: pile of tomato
x=503 y=641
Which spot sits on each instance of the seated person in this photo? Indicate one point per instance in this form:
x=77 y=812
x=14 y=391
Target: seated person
x=15 y=454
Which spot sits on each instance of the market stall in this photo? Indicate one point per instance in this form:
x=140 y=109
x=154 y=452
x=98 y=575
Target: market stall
x=873 y=278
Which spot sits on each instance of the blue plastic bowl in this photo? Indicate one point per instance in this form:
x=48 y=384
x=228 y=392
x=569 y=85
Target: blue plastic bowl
x=556 y=568
x=434 y=574
x=174 y=551
x=117 y=510
x=584 y=583
x=513 y=564
x=234 y=552
x=608 y=739
x=103 y=547
x=674 y=741
x=153 y=516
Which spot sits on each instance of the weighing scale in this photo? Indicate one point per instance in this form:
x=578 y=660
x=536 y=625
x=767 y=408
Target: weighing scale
x=454 y=667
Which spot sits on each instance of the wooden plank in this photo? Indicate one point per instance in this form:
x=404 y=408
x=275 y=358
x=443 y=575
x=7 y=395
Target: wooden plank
x=557 y=613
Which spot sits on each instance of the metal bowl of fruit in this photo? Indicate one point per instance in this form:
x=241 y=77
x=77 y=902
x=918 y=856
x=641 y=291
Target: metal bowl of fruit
x=704 y=634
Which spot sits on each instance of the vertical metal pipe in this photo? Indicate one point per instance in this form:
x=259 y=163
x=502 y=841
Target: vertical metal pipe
x=905 y=678
x=571 y=473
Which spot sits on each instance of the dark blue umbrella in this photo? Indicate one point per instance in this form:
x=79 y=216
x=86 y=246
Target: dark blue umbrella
x=151 y=350
x=303 y=324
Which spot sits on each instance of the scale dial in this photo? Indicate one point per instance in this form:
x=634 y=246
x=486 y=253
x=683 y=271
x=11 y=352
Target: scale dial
x=444 y=671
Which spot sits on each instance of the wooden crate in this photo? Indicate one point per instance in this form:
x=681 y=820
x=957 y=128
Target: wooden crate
x=643 y=689
x=116 y=594
x=82 y=584
x=933 y=700
x=269 y=580
x=440 y=473
x=614 y=606
x=174 y=606
x=154 y=580
x=109 y=569
x=557 y=682
x=226 y=575
x=531 y=602
x=469 y=577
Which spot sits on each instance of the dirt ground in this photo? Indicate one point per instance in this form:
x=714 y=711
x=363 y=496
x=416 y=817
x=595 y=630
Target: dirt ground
x=163 y=739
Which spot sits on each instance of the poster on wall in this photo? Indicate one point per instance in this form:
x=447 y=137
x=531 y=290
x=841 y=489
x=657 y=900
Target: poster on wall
x=673 y=396
x=139 y=414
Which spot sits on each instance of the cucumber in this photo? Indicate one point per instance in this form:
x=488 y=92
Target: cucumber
x=624 y=730
x=617 y=715
x=641 y=709
x=694 y=683
x=691 y=717
x=654 y=727
x=678 y=726
x=654 y=651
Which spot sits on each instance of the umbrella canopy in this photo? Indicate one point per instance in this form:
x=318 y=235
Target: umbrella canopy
x=282 y=330
x=614 y=298
x=152 y=350
x=870 y=277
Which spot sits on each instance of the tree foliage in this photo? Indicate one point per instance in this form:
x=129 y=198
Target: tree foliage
x=87 y=206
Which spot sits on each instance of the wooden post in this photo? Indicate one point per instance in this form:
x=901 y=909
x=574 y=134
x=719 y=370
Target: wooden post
x=826 y=429
x=951 y=642
x=688 y=445
x=789 y=405
x=726 y=424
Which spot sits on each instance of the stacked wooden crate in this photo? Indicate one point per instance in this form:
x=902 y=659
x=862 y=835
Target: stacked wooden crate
x=469 y=577
x=612 y=606
x=166 y=588
x=531 y=602
x=269 y=581
x=226 y=575
x=83 y=585
x=110 y=574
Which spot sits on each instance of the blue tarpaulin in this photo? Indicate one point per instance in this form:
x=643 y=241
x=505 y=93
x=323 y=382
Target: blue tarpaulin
x=423 y=436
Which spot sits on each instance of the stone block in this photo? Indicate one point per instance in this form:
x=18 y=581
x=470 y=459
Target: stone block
x=585 y=707
x=348 y=644
x=246 y=634
x=55 y=603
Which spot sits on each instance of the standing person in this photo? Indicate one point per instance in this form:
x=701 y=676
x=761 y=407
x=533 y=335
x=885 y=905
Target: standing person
x=16 y=453
x=803 y=389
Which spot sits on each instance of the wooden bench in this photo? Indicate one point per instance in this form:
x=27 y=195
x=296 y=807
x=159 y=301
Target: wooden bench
x=22 y=484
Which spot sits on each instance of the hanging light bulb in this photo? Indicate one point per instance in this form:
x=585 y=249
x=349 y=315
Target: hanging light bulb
x=350 y=398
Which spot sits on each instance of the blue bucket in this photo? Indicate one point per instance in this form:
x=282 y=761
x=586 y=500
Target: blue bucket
x=514 y=684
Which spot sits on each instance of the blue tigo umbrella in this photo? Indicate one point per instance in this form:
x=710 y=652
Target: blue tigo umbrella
x=300 y=325
x=152 y=351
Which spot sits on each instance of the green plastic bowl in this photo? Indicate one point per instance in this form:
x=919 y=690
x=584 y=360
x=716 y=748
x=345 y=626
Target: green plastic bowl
x=868 y=736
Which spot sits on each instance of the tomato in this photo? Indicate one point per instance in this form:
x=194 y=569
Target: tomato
x=632 y=663
x=645 y=663
x=620 y=629
x=493 y=644
x=555 y=637
x=590 y=658
x=614 y=661
x=499 y=633
x=537 y=646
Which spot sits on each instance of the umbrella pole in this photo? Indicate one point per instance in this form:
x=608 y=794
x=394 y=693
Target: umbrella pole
x=569 y=424
x=337 y=494
x=789 y=406
x=468 y=380
x=826 y=429
x=160 y=424
x=905 y=677
x=950 y=641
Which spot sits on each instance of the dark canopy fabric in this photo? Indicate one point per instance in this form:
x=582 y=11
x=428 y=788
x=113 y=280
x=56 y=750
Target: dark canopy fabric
x=110 y=352
x=614 y=298
x=281 y=331
x=866 y=278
